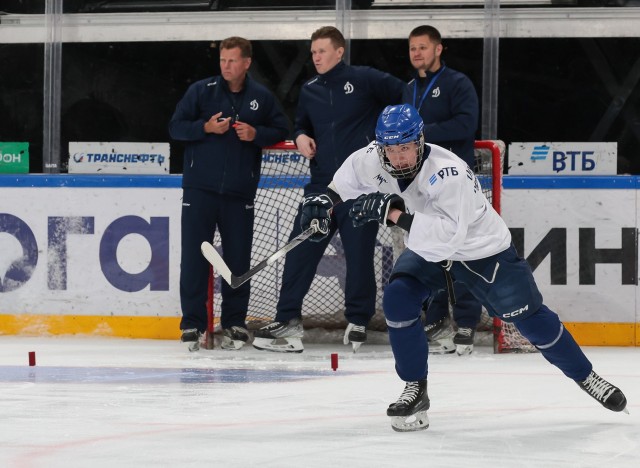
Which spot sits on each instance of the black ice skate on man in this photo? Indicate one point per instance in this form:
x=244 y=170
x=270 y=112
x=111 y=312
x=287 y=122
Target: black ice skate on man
x=453 y=235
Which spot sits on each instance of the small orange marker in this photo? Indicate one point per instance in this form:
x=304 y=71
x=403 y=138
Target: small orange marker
x=334 y=361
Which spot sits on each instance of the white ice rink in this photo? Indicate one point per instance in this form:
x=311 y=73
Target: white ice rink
x=99 y=402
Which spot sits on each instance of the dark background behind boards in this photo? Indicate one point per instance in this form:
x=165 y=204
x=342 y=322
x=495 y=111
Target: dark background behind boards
x=550 y=89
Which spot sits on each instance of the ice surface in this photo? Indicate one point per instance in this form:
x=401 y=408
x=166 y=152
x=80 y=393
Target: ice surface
x=100 y=402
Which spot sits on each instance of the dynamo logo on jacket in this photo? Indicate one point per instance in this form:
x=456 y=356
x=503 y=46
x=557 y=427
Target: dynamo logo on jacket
x=348 y=88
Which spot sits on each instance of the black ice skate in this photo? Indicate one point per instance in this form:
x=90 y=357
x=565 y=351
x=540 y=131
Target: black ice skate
x=440 y=336
x=609 y=396
x=193 y=337
x=234 y=338
x=463 y=339
x=409 y=413
x=356 y=335
x=281 y=337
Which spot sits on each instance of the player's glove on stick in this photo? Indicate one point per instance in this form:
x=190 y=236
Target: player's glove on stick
x=316 y=206
x=375 y=207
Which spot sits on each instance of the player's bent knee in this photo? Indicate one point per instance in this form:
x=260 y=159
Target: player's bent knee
x=403 y=298
x=542 y=328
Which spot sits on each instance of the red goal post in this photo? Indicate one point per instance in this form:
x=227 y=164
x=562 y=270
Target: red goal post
x=283 y=176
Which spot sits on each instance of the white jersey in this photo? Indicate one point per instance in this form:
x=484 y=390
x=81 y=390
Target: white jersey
x=453 y=220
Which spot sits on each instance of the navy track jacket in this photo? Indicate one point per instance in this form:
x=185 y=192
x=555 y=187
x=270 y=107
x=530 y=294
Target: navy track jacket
x=449 y=111
x=339 y=110
x=222 y=163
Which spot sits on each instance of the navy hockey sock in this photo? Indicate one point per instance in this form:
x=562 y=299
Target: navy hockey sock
x=547 y=333
x=402 y=302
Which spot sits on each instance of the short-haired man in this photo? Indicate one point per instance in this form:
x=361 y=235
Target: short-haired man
x=225 y=121
x=336 y=115
x=448 y=104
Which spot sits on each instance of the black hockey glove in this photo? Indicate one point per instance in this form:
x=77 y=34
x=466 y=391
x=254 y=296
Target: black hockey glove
x=375 y=207
x=316 y=207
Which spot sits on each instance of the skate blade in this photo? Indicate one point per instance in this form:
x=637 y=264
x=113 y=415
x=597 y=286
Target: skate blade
x=415 y=422
x=279 y=345
x=356 y=346
x=444 y=346
x=435 y=348
x=463 y=350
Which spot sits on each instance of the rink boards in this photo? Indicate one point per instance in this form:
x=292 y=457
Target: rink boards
x=100 y=254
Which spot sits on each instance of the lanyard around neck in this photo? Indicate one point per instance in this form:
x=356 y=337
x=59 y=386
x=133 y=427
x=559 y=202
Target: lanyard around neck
x=426 y=91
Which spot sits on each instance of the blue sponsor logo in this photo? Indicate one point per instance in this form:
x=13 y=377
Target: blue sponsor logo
x=281 y=158
x=155 y=231
x=433 y=179
x=97 y=158
x=540 y=153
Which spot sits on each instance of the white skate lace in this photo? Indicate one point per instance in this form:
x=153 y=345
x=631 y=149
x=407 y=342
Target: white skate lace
x=359 y=328
x=464 y=331
x=598 y=387
x=431 y=326
x=410 y=393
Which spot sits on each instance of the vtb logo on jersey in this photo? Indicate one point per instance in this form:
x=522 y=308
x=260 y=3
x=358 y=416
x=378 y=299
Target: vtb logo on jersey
x=447 y=171
x=348 y=88
x=436 y=92
x=442 y=173
x=253 y=105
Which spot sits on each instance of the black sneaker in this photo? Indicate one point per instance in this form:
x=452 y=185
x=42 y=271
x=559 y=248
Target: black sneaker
x=356 y=335
x=291 y=329
x=440 y=336
x=280 y=337
x=234 y=337
x=609 y=396
x=409 y=412
x=193 y=337
x=463 y=339
x=189 y=335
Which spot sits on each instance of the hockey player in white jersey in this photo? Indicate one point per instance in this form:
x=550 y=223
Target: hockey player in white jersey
x=452 y=234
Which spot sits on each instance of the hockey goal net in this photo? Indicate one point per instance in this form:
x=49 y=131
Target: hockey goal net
x=284 y=174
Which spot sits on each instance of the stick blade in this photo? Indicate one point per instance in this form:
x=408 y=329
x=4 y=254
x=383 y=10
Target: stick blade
x=213 y=257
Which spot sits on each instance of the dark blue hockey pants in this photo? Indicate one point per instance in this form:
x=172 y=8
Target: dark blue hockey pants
x=202 y=212
x=503 y=283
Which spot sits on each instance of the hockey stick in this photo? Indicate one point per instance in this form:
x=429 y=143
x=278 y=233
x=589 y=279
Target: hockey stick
x=213 y=257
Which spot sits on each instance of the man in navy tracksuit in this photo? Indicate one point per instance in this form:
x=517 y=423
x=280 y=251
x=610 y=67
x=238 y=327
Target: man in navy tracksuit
x=336 y=115
x=448 y=105
x=225 y=120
